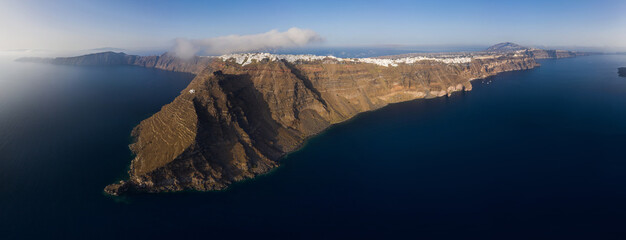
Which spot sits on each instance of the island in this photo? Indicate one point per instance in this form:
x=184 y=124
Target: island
x=621 y=71
x=243 y=112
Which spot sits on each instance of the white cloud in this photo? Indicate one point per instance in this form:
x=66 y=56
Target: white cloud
x=294 y=37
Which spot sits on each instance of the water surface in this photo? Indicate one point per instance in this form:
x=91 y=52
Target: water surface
x=528 y=154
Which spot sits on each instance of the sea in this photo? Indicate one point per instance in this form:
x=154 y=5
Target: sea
x=534 y=154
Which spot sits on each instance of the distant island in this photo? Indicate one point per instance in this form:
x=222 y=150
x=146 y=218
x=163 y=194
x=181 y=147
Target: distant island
x=243 y=112
x=621 y=71
x=165 y=62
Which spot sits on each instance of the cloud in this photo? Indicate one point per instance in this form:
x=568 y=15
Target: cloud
x=294 y=37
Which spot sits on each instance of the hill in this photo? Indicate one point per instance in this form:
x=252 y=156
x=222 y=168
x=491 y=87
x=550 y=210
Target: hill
x=506 y=47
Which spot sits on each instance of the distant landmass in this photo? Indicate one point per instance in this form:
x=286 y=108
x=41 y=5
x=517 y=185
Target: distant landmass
x=165 y=61
x=534 y=52
x=621 y=71
x=506 y=47
x=243 y=112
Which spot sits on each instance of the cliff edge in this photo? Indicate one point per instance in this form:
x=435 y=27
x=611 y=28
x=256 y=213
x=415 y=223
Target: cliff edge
x=166 y=61
x=242 y=113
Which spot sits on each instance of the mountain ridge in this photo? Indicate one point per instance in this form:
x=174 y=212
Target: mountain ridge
x=505 y=47
x=242 y=113
x=236 y=121
x=165 y=61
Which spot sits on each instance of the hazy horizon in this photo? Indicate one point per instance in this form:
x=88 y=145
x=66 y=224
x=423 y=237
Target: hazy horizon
x=191 y=27
x=296 y=50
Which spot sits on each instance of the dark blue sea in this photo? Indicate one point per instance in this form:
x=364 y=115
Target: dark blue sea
x=535 y=154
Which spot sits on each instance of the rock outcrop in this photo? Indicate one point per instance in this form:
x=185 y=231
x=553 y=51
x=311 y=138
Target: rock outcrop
x=235 y=121
x=621 y=71
x=243 y=112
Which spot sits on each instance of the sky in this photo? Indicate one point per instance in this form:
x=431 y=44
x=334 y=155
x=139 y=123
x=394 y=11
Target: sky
x=70 y=25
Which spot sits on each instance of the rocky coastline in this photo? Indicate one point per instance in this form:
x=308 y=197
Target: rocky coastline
x=166 y=61
x=242 y=113
x=235 y=121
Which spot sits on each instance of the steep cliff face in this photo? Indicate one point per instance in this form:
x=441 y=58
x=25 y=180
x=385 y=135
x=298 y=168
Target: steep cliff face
x=236 y=121
x=547 y=54
x=165 y=62
x=170 y=63
x=243 y=112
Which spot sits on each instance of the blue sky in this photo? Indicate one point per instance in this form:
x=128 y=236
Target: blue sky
x=81 y=24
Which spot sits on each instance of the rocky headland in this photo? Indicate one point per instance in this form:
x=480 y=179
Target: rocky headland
x=165 y=61
x=533 y=52
x=243 y=112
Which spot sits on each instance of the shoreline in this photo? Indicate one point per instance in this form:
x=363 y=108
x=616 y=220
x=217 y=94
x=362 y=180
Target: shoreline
x=122 y=186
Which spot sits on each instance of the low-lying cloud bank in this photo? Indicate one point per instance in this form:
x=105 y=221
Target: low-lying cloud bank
x=294 y=37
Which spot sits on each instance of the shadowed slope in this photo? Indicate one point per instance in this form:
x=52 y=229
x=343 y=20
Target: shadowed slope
x=235 y=122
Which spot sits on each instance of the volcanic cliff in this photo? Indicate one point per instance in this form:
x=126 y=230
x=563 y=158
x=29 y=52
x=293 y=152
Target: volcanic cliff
x=166 y=61
x=236 y=121
x=243 y=112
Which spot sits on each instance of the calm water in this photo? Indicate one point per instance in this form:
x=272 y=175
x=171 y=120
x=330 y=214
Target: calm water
x=533 y=154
